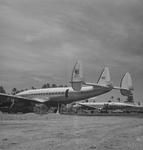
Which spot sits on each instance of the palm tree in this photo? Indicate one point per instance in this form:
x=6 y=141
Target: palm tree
x=2 y=90
x=14 y=91
x=47 y=85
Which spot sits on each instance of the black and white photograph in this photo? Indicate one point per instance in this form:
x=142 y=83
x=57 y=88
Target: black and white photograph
x=71 y=74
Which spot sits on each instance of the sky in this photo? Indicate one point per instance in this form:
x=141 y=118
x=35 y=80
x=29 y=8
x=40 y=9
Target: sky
x=41 y=40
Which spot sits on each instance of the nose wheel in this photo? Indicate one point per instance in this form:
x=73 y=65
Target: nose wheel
x=11 y=108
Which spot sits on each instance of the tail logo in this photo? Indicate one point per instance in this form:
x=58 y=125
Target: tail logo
x=76 y=71
x=103 y=77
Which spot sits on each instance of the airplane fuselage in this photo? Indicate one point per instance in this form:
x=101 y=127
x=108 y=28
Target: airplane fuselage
x=64 y=95
x=125 y=107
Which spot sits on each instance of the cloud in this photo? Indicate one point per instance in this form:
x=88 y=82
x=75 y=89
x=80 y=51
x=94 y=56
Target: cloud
x=44 y=37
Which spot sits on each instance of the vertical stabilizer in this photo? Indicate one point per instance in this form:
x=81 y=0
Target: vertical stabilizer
x=105 y=78
x=126 y=85
x=77 y=78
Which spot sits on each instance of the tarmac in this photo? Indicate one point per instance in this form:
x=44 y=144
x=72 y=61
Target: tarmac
x=70 y=132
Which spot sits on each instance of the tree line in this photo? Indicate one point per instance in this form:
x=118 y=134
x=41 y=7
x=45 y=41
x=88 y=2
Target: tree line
x=45 y=85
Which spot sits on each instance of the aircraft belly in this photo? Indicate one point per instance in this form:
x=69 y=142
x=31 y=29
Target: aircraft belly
x=57 y=99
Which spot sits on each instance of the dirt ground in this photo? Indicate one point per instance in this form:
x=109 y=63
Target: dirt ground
x=64 y=132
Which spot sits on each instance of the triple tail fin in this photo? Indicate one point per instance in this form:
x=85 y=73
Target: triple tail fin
x=105 y=78
x=77 y=77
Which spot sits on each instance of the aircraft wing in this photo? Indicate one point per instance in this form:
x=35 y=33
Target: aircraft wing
x=90 y=106
x=20 y=98
x=41 y=100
